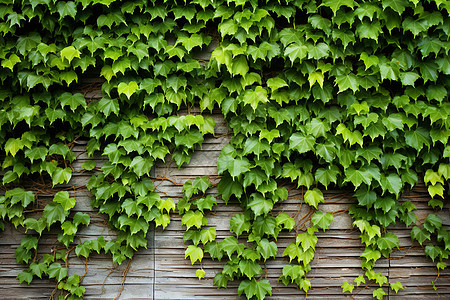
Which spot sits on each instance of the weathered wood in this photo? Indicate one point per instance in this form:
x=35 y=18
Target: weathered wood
x=161 y=272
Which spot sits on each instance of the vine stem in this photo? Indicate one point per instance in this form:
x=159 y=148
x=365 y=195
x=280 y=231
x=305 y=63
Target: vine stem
x=165 y=178
x=124 y=275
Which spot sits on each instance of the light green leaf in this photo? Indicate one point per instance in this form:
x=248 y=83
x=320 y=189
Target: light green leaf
x=127 y=88
x=314 y=197
x=70 y=53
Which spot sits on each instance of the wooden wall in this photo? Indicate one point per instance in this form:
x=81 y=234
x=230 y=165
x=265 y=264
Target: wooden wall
x=161 y=272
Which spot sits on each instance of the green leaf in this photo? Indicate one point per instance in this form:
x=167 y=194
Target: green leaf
x=38 y=268
x=249 y=268
x=256 y=96
x=238 y=166
x=322 y=220
x=420 y=235
x=60 y=175
x=63 y=199
x=391 y=183
x=285 y=220
x=307 y=241
x=70 y=53
x=398 y=6
x=379 y=293
x=259 y=205
x=301 y=143
x=335 y=5
x=13 y=146
x=231 y=245
x=360 y=279
x=191 y=219
x=239 y=223
x=19 y=195
x=348 y=81
x=73 y=100
x=127 y=88
x=296 y=51
x=314 y=197
x=432 y=223
x=56 y=271
x=371 y=254
x=107 y=106
x=68 y=8
x=9 y=63
x=194 y=253
x=418 y=138
x=141 y=165
x=26 y=276
x=228 y=187
x=346 y=287
x=267 y=249
x=276 y=83
x=433 y=251
x=255 y=288
x=200 y=273
x=389 y=241
x=396 y=286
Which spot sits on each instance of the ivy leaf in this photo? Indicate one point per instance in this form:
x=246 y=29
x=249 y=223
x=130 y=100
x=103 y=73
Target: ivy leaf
x=417 y=138
x=346 y=287
x=231 y=245
x=391 y=183
x=420 y=235
x=285 y=220
x=127 y=88
x=255 y=288
x=9 y=63
x=66 y=202
x=239 y=223
x=267 y=249
x=200 y=273
x=396 y=286
x=26 y=276
x=388 y=242
x=238 y=166
x=259 y=205
x=301 y=143
x=255 y=146
x=313 y=197
x=249 y=268
x=276 y=83
x=379 y=293
x=322 y=220
x=228 y=187
x=194 y=253
x=349 y=81
x=371 y=254
x=360 y=279
x=192 y=218
x=107 y=106
x=334 y=5
x=70 y=53
x=307 y=241
x=73 y=100
x=60 y=175
x=296 y=51
x=68 y=8
x=19 y=195
x=433 y=251
x=256 y=96
x=141 y=165
x=398 y=6
x=56 y=271
x=432 y=223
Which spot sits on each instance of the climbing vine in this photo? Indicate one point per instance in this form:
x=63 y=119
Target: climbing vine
x=317 y=94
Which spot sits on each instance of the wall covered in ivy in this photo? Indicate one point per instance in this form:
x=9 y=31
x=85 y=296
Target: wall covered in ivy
x=317 y=95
